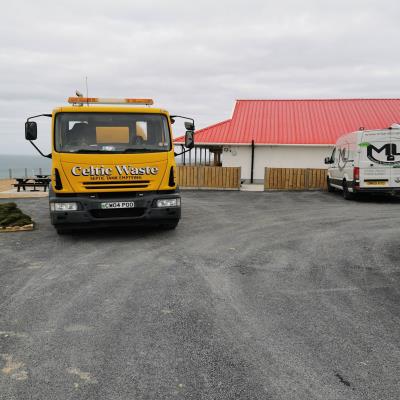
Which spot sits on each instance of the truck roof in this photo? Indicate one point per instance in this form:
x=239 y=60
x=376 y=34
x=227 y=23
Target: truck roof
x=115 y=109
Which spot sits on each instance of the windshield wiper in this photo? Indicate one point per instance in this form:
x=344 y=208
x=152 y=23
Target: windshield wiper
x=90 y=151
x=130 y=150
x=140 y=150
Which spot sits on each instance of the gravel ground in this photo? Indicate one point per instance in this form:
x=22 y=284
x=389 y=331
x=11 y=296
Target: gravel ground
x=253 y=296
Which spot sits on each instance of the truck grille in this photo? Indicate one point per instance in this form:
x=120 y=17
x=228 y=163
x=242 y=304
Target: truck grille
x=118 y=213
x=116 y=185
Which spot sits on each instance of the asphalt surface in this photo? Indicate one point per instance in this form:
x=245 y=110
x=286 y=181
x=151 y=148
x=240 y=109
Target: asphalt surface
x=253 y=296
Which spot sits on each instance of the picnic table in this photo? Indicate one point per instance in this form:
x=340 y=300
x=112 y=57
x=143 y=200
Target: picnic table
x=41 y=181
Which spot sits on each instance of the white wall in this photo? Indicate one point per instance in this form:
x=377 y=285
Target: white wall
x=274 y=157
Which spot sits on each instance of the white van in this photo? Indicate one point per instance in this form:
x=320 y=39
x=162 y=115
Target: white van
x=366 y=162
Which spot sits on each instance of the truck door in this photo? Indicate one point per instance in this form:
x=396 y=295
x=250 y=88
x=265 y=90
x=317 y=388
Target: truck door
x=375 y=160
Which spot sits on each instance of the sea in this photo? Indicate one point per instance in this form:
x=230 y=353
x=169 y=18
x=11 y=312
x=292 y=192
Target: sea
x=19 y=165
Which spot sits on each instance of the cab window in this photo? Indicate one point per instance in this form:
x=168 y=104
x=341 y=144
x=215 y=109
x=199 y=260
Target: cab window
x=111 y=132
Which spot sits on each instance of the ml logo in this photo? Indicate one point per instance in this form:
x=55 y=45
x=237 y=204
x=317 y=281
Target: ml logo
x=388 y=149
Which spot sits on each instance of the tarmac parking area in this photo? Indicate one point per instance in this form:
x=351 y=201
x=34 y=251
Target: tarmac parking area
x=282 y=295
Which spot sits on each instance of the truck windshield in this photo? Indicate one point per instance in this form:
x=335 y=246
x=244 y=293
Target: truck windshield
x=111 y=133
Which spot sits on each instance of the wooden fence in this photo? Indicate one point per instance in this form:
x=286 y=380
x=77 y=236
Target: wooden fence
x=208 y=177
x=294 y=179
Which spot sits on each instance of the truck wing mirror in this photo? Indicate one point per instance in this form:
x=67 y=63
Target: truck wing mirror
x=189 y=126
x=189 y=139
x=30 y=130
x=328 y=160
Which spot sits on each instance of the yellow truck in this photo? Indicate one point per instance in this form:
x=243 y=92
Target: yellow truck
x=113 y=164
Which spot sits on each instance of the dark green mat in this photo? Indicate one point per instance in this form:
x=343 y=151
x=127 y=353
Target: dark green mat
x=11 y=215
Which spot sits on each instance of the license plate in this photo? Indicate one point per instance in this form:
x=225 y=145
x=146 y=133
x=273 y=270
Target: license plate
x=376 y=183
x=118 y=204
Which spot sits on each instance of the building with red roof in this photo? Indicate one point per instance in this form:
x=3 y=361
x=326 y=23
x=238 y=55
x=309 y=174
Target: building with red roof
x=291 y=133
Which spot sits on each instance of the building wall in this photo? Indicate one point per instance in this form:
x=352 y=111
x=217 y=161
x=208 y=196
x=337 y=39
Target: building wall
x=274 y=157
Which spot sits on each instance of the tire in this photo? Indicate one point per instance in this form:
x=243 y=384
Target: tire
x=170 y=225
x=63 y=231
x=328 y=184
x=346 y=194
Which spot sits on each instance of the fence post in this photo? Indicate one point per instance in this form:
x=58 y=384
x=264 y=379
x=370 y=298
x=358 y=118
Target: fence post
x=265 y=178
x=252 y=162
x=10 y=173
x=307 y=179
x=26 y=172
x=40 y=171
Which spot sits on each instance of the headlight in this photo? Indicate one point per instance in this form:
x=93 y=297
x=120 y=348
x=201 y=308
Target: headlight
x=63 y=206
x=169 y=202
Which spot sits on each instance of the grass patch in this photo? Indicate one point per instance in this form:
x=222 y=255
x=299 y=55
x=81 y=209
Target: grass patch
x=11 y=215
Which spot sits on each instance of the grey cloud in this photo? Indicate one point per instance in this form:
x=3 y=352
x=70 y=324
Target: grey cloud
x=193 y=58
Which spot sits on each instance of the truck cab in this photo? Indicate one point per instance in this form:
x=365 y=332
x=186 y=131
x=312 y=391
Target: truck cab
x=112 y=165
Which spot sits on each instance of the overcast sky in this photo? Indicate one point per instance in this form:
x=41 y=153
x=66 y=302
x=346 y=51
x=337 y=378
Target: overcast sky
x=193 y=57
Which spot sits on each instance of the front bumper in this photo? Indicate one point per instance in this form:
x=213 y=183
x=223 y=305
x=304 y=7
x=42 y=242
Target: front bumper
x=90 y=213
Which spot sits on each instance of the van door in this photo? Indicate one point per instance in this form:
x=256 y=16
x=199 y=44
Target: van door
x=395 y=166
x=333 y=167
x=375 y=159
x=345 y=162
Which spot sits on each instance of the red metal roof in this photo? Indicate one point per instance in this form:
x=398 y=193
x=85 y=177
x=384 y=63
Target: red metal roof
x=299 y=121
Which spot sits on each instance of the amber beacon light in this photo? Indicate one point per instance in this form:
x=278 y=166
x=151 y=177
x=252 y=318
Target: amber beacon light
x=98 y=100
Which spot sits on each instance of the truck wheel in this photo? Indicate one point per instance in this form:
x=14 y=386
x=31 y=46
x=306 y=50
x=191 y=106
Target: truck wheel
x=170 y=225
x=346 y=194
x=328 y=184
x=63 y=231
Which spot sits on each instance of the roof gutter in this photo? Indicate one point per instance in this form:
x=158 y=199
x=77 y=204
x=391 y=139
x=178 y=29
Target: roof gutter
x=260 y=144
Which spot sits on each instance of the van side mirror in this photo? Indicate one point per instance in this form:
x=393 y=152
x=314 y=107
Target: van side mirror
x=189 y=126
x=189 y=139
x=328 y=160
x=30 y=130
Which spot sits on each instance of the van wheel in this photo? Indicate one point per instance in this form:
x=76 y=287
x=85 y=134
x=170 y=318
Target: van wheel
x=346 y=194
x=328 y=184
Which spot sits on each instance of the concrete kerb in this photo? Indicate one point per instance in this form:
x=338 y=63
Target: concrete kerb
x=13 y=194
